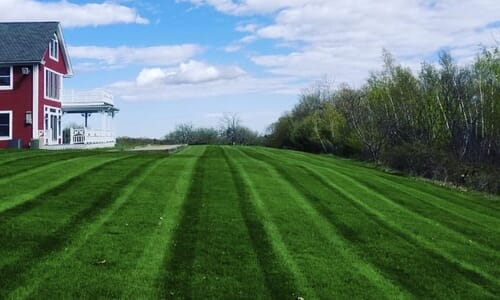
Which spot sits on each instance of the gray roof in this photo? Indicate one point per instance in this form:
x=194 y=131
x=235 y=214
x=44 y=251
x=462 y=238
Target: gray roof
x=25 y=42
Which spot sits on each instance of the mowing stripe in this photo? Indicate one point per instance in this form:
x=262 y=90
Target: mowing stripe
x=9 y=202
x=450 y=231
x=192 y=271
x=57 y=237
x=279 y=281
x=467 y=215
x=367 y=233
x=417 y=215
x=333 y=235
x=278 y=245
x=480 y=229
x=26 y=155
x=451 y=207
x=155 y=254
x=224 y=253
x=58 y=160
x=29 y=166
x=479 y=203
x=179 y=266
x=470 y=271
x=461 y=239
x=87 y=230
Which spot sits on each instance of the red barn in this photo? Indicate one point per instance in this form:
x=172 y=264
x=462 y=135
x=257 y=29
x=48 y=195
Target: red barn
x=33 y=62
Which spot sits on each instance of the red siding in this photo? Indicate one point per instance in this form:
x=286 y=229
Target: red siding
x=57 y=66
x=19 y=101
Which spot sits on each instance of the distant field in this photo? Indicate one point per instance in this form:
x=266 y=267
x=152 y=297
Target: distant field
x=237 y=222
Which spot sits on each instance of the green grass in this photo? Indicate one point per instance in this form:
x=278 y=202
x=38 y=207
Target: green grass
x=237 y=222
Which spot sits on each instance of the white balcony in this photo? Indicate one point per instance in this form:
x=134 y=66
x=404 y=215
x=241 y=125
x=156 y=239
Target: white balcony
x=92 y=96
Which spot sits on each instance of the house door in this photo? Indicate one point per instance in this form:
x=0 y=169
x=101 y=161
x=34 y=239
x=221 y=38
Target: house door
x=53 y=130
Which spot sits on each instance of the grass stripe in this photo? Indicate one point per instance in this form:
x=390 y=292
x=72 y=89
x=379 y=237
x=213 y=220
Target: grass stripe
x=481 y=203
x=224 y=256
x=10 y=159
x=176 y=178
x=52 y=265
x=28 y=166
x=473 y=273
x=175 y=282
x=443 y=246
x=19 y=193
x=273 y=233
x=331 y=233
x=201 y=263
x=469 y=211
x=478 y=231
x=53 y=239
x=279 y=281
x=383 y=246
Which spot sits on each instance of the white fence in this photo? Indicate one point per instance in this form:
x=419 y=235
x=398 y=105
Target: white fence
x=91 y=136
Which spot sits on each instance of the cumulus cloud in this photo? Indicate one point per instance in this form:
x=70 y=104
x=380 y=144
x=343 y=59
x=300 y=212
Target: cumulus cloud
x=346 y=38
x=69 y=14
x=119 y=56
x=191 y=72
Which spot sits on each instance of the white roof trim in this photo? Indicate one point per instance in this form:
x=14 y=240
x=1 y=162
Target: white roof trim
x=65 y=51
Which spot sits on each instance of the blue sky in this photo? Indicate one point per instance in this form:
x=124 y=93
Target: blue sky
x=189 y=61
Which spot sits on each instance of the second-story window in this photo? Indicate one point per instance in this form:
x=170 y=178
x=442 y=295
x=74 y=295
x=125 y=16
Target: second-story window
x=54 y=48
x=6 y=78
x=52 y=85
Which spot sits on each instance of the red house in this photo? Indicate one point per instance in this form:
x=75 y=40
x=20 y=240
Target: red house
x=33 y=62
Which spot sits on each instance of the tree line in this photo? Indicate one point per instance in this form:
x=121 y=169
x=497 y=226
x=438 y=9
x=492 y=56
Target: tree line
x=441 y=123
x=229 y=132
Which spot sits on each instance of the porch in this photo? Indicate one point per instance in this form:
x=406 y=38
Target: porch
x=95 y=104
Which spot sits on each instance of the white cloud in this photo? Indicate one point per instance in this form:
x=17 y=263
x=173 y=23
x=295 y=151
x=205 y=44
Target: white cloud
x=159 y=88
x=248 y=7
x=191 y=72
x=119 y=56
x=69 y=14
x=247 y=28
x=153 y=76
x=346 y=38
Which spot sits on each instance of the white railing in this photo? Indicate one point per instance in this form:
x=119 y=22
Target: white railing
x=91 y=136
x=98 y=95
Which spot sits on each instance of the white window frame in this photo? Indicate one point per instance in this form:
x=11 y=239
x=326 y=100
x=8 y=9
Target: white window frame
x=6 y=138
x=11 y=86
x=54 y=44
x=45 y=91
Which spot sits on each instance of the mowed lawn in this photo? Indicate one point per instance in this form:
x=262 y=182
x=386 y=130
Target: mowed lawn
x=222 y=222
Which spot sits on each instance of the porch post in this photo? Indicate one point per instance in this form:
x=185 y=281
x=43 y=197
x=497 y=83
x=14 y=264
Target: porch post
x=71 y=135
x=86 y=117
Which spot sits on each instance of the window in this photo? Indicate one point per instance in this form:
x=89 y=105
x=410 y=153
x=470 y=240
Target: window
x=5 y=125
x=54 y=48
x=6 y=77
x=52 y=85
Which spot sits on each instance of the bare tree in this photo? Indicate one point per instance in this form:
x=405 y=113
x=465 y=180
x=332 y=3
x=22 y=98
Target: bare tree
x=229 y=125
